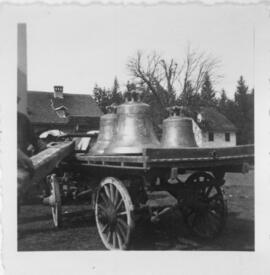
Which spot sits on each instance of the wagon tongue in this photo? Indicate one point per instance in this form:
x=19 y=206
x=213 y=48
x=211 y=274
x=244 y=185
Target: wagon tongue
x=50 y=200
x=160 y=203
x=160 y=199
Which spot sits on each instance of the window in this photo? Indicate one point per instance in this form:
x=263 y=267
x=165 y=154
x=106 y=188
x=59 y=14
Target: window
x=210 y=136
x=227 y=137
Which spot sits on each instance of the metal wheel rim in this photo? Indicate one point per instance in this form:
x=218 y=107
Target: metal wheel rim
x=209 y=222
x=116 y=233
x=56 y=207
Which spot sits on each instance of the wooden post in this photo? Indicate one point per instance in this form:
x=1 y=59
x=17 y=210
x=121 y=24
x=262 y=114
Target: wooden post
x=22 y=68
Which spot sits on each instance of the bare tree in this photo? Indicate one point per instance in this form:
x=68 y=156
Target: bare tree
x=158 y=74
x=194 y=68
x=154 y=72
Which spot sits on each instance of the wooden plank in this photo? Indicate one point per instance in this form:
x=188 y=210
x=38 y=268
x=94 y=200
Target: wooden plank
x=45 y=161
x=227 y=164
x=107 y=165
x=188 y=154
x=187 y=158
x=116 y=158
x=202 y=159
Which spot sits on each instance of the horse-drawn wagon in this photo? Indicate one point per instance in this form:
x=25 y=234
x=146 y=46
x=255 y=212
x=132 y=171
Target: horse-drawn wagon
x=133 y=175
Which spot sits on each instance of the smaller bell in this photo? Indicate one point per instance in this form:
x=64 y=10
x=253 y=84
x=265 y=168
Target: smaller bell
x=107 y=130
x=177 y=130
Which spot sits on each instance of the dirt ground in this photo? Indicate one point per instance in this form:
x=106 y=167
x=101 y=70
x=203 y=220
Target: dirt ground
x=36 y=232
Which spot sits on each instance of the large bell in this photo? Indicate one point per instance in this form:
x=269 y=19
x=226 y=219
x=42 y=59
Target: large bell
x=107 y=130
x=134 y=127
x=177 y=131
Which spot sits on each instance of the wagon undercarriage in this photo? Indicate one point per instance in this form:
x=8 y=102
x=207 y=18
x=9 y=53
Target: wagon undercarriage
x=127 y=188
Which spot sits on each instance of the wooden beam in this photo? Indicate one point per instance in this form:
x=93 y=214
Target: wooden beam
x=45 y=161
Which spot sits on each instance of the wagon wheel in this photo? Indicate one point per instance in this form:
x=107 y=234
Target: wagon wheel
x=114 y=214
x=205 y=210
x=54 y=200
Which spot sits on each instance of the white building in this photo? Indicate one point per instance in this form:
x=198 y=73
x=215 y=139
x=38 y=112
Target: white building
x=212 y=129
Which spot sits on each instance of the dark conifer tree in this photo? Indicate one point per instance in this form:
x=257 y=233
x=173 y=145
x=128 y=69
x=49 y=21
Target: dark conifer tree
x=116 y=95
x=222 y=102
x=240 y=96
x=244 y=102
x=208 y=95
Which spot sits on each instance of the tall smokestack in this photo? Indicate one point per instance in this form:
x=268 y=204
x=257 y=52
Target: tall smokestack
x=22 y=68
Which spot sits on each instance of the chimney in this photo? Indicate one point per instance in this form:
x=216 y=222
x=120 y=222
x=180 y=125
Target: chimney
x=58 y=91
x=22 y=68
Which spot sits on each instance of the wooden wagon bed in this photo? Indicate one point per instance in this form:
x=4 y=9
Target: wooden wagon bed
x=231 y=159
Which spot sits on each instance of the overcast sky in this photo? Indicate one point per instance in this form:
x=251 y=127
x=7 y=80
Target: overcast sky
x=79 y=47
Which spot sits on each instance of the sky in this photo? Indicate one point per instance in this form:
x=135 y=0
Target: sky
x=78 y=47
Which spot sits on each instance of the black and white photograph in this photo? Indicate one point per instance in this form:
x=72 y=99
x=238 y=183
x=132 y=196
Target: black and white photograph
x=134 y=130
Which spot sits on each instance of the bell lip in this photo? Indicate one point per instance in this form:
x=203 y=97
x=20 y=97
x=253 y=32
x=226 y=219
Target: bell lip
x=96 y=152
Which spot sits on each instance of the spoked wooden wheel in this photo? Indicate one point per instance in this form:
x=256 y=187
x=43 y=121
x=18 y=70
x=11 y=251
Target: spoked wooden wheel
x=205 y=210
x=54 y=200
x=114 y=214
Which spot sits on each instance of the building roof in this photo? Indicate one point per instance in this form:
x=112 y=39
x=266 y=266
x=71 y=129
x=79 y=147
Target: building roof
x=212 y=120
x=84 y=121
x=41 y=107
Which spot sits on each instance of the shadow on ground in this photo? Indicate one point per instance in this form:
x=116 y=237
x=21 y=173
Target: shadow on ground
x=79 y=233
x=36 y=231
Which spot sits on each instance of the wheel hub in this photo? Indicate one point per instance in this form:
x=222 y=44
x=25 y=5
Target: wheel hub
x=111 y=217
x=200 y=206
x=108 y=216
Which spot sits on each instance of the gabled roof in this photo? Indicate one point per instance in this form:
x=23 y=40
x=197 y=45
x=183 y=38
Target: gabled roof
x=41 y=110
x=212 y=120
